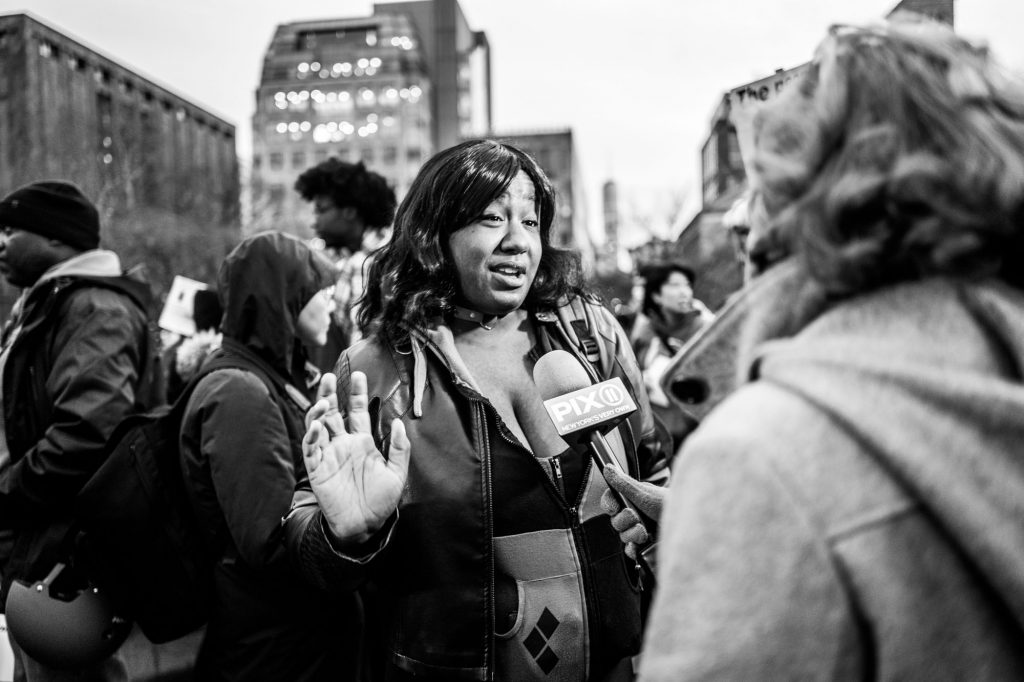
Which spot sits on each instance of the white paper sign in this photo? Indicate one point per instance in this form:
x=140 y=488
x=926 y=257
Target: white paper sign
x=745 y=101
x=178 y=308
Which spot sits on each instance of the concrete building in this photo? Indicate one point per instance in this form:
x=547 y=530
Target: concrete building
x=150 y=159
x=389 y=89
x=68 y=111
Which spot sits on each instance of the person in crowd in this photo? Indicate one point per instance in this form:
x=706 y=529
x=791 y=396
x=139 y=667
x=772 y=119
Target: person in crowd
x=482 y=527
x=353 y=209
x=186 y=356
x=853 y=511
x=71 y=366
x=672 y=316
x=241 y=456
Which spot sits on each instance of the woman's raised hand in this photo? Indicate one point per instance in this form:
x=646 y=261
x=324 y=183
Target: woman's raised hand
x=357 y=488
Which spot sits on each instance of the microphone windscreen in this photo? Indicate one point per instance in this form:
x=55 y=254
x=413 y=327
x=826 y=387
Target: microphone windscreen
x=557 y=373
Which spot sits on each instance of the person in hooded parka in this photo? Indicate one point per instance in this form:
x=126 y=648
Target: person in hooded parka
x=240 y=445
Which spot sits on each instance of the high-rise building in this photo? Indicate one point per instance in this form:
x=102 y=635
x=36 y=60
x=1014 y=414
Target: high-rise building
x=610 y=206
x=389 y=89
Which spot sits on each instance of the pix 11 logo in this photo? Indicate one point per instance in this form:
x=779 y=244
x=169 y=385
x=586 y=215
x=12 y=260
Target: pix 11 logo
x=589 y=406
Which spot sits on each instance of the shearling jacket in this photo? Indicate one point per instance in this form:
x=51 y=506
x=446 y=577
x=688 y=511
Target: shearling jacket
x=496 y=568
x=856 y=510
x=75 y=357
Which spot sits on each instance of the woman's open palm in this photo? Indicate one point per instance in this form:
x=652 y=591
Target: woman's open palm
x=356 y=487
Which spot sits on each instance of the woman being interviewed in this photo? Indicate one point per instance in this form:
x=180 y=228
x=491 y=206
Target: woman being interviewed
x=487 y=542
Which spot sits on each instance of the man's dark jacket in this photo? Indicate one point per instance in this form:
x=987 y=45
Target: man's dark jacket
x=70 y=377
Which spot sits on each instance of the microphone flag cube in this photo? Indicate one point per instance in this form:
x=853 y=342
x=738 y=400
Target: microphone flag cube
x=591 y=407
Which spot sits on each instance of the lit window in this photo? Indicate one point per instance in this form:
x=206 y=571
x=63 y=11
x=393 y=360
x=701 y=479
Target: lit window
x=363 y=63
x=108 y=159
x=371 y=118
x=315 y=66
x=293 y=127
x=375 y=62
x=282 y=127
x=305 y=126
x=303 y=67
x=371 y=38
x=45 y=51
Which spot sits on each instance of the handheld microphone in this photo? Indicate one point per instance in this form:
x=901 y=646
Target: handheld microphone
x=581 y=410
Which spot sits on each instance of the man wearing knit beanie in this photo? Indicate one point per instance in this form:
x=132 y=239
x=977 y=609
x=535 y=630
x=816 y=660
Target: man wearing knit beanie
x=72 y=365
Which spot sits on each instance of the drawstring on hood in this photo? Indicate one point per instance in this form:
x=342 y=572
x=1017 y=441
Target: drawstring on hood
x=263 y=284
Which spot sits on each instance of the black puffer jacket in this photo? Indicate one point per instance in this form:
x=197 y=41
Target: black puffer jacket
x=240 y=448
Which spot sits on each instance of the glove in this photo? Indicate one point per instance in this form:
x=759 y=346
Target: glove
x=647 y=497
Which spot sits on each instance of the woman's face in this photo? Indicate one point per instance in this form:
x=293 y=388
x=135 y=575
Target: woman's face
x=675 y=295
x=497 y=255
x=315 y=318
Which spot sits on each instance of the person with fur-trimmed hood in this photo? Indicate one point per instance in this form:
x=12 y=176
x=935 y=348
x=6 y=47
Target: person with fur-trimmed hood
x=241 y=459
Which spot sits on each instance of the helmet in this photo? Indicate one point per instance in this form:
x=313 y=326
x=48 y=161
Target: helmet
x=64 y=627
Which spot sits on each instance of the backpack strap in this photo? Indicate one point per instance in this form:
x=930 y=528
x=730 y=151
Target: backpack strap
x=576 y=323
x=231 y=356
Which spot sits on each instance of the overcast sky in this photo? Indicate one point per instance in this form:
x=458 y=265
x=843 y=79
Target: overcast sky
x=636 y=80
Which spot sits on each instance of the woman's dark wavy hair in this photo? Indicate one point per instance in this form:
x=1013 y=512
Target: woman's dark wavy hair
x=350 y=184
x=412 y=279
x=898 y=156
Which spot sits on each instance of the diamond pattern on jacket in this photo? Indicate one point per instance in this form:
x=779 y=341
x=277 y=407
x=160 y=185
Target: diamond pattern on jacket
x=537 y=642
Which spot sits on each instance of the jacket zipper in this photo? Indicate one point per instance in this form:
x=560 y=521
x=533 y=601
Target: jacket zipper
x=571 y=509
x=481 y=414
x=556 y=473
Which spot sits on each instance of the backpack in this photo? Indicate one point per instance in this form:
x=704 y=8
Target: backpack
x=138 y=538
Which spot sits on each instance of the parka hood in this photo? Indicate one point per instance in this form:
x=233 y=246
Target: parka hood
x=263 y=284
x=927 y=377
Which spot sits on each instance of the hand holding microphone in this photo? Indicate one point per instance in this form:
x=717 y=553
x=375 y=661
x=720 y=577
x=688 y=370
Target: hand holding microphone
x=583 y=411
x=647 y=497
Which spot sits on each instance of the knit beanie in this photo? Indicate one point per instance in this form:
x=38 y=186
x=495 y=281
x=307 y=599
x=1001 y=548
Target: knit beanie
x=54 y=209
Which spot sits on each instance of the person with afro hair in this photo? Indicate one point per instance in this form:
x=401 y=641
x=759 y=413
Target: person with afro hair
x=353 y=208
